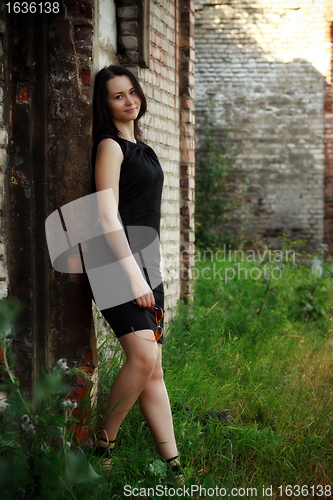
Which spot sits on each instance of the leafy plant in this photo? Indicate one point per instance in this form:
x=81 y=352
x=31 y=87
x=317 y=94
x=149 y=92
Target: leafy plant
x=312 y=275
x=249 y=379
x=38 y=458
x=244 y=346
x=219 y=192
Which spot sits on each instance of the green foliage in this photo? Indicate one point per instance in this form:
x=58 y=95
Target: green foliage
x=245 y=348
x=248 y=370
x=253 y=348
x=38 y=458
x=218 y=192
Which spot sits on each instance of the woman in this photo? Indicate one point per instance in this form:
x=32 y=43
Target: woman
x=129 y=178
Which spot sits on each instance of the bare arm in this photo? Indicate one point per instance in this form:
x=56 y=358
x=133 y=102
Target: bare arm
x=107 y=173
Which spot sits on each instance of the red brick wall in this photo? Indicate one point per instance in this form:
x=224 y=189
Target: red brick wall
x=328 y=197
x=81 y=16
x=187 y=144
x=3 y=151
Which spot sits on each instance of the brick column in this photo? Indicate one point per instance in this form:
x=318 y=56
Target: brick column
x=187 y=145
x=328 y=197
x=80 y=15
x=49 y=64
x=3 y=152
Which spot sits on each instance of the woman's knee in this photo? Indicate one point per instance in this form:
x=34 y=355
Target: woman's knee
x=145 y=363
x=157 y=374
x=142 y=354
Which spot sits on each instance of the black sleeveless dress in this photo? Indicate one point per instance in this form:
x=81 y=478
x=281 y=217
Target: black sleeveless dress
x=140 y=194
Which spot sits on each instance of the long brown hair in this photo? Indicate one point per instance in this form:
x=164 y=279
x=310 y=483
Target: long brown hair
x=103 y=123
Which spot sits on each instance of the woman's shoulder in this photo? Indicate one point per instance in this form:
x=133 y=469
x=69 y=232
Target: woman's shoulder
x=108 y=152
x=108 y=143
x=108 y=146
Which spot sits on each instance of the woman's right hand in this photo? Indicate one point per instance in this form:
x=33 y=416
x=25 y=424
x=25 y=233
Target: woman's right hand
x=143 y=294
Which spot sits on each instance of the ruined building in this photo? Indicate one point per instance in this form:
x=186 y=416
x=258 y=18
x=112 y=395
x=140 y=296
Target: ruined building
x=48 y=58
x=265 y=68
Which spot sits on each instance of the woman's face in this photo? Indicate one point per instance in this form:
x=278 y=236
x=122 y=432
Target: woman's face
x=123 y=101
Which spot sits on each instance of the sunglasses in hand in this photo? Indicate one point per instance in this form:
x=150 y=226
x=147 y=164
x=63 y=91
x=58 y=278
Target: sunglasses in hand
x=159 y=329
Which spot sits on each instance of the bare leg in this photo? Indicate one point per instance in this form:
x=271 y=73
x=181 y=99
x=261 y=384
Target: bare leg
x=141 y=357
x=155 y=406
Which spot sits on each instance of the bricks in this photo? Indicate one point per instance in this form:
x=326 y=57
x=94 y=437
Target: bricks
x=83 y=33
x=85 y=76
x=258 y=66
x=188 y=156
x=128 y=12
x=129 y=42
x=23 y=95
x=80 y=10
x=187 y=145
x=161 y=126
x=129 y=28
x=162 y=132
x=328 y=142
x=132 y=33
x=80 y=13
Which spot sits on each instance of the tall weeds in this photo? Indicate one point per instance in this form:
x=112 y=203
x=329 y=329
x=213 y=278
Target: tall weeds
x=248 y=367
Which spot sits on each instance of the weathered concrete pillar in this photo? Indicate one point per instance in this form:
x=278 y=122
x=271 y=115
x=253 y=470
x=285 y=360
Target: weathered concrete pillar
x=49 y=67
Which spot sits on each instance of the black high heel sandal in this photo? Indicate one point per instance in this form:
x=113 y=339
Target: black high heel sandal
x=103 y=452
x=175 y=469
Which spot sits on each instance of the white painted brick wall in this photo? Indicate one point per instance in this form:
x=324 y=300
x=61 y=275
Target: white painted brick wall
x=161 y=131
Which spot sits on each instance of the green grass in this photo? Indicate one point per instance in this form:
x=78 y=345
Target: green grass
x=261 y=350
x=248 y=367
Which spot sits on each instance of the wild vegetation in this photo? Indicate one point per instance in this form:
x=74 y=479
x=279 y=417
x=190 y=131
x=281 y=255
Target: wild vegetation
x=220 y=191
x=248 y=367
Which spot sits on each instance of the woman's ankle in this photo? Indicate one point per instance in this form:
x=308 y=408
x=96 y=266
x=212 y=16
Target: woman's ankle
x=174 y=464
x=103 y=441
x=173 y=461
x=176 y=469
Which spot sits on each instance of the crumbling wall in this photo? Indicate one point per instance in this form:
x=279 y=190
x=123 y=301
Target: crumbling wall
x=328 y=184
x=262 y=66
x=49 y=61
x=187 y=145
x=161 y=131
x=150 y=44
x=3 y=156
